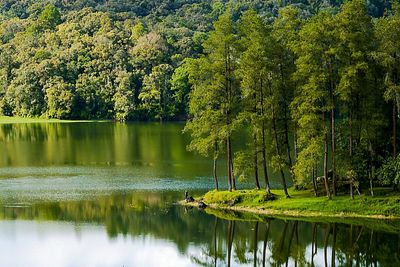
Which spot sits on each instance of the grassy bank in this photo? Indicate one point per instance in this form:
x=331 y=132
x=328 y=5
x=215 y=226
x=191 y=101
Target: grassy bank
x=303 y=204
x=11 y=120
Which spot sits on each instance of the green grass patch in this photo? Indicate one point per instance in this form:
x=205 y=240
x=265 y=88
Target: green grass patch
x=303 y=203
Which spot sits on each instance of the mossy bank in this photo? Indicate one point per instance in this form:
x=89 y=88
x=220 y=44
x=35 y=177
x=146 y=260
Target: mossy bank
x=303 y=204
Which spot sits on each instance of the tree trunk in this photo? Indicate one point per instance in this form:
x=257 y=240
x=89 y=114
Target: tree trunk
x=278 y=153
x=215 y=166
x=314 y=182
x=333 y=128
x=228 y=153
x=394 y=118
x=328 y=193
x=264 y=146
x=256 y=162
x=351 y=152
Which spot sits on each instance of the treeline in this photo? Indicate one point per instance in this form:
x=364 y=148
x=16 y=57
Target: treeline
x=99 y=59
x=319 y=97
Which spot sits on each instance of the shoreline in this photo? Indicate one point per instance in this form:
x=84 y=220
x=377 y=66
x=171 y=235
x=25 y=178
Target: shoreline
x=301 y=205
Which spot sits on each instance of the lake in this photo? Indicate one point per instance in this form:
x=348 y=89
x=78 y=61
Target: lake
x=104 y=194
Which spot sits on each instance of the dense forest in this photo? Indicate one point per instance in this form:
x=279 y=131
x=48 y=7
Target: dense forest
x=319 y=80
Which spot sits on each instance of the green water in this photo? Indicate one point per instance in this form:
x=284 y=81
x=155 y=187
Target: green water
x=104 y=194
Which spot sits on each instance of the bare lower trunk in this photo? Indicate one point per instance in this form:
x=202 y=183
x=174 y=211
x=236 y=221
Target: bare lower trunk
x=215 y=173
x=328 y=193
x=351 y=152
x=264 y=161
x=333 y=129
x=314 y=182
x=278 y=154
x=394 y=118
x=229 y=154
x=256 y=163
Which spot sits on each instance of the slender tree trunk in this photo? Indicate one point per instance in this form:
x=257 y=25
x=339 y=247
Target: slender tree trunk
x=314 y=181
x=333 y=153
x=228 y=153
x=264 y=145
x=278 y=153
x=351 y=151
x=394 y=118
x=287 y=140
x=256 y=162
x=295 y=142
x=328 y=193
x=215 y=166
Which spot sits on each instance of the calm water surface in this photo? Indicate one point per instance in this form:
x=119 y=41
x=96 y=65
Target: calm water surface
x=103 y=194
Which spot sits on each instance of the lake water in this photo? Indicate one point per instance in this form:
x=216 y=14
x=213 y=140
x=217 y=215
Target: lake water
x=104 y=194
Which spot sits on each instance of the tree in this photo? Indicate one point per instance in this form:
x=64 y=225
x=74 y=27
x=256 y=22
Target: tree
x=217 y=83
x=156 y=93
x=123 y=98
x=316 y=72
x=355 y=30
x=255 y=62
x=59 y=98
x=50 y=17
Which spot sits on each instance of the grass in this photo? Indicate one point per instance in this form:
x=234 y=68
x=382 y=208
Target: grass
x=304 y=204
x=12 y=120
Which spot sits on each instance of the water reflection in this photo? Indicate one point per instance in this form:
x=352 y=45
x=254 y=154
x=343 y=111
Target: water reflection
x=147 y=229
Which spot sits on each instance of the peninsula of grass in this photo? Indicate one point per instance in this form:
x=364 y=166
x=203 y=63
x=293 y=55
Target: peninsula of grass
x=385 y=205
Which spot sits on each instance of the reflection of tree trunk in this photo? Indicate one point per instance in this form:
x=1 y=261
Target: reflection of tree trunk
x=266 y=242
x=231 y=232
x=328 y=230
x=282 y=240
x=333 y=260
x=255 y=244
x=290 y=243
x=314 y=243
x=215 y=241
x=256 y=162
x=215 y=165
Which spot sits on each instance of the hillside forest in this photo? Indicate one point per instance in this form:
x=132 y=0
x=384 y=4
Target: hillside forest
x=314 y=84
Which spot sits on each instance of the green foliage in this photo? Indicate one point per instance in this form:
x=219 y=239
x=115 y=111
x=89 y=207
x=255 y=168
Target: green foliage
x=389 y=173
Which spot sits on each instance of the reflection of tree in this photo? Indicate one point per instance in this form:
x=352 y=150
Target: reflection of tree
x=219 y=242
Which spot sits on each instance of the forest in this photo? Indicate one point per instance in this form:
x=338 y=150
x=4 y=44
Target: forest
x=315 y=84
